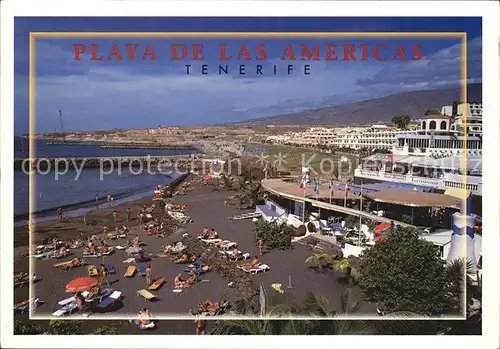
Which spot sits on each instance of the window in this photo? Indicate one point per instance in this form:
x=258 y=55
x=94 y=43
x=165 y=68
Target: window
x=432 y=125
x=443 y=125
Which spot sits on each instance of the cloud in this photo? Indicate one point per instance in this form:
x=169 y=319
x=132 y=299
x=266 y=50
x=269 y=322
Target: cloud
x=96 y=96
x=440 y=69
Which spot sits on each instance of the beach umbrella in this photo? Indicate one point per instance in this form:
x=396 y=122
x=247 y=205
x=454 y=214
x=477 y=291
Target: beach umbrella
x=81 y=284
x=207 y=178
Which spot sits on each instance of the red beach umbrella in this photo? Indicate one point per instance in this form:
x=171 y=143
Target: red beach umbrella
x=81 y=284
x=207 y=178
x=381 y=228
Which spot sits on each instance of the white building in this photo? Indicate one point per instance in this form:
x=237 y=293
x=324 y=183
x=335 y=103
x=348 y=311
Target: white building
x=471 y=113
x=433 y=155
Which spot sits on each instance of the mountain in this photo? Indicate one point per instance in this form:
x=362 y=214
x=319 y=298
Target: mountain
x=371 y=111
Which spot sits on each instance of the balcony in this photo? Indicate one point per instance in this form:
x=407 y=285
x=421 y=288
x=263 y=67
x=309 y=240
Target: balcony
x=439 y=183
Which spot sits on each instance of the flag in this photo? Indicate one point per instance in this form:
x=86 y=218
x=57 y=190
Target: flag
x=347 y=187
x=331 y=186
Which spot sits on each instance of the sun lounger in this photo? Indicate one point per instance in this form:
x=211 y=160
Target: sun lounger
x=246 y=216
x=241 y=256
x=222 y=243
x=108 y=252
x=157 y=284
x=119 y=247
x=93 y=255
x=211 y=241
x=113 y=298
x=102 y=295
x=65 y=310
x=69 y=264
x=40 y=255
x=255 y=270
x=146 y=295
x=145 y=327
x=130 y=271
x=23 y=306
x=141 y=269
x=129 y=260
x=246 y=266
x=66 y=301
x=93 y=270
x=25 y=280
x=111 y=268
x=228 y=246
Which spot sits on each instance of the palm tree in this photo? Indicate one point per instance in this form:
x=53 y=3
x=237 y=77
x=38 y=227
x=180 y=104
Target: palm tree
x=346 y=265
x=275 y=235
x=250 y=193
x=314 y=306
x=320 y=259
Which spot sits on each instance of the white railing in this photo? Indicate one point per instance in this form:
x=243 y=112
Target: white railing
x=439 y=183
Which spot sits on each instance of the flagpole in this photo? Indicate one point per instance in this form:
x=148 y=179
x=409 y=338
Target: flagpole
x=361 y=210
x=345 y=197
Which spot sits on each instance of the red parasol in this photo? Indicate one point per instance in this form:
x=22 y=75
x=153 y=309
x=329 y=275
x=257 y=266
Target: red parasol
x=207 y=178
x=381 y=228
x=81 y=284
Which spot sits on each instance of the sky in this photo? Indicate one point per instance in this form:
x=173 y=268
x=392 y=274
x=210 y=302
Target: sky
x=104 y=94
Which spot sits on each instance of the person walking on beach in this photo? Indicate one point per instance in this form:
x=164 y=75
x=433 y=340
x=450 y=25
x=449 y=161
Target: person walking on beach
x=85 y=218
x=109 y=200
x=115 y=216
x=79 y=302
x=103 y=274
x=96 y=201
x=201 y=326
x=59 y=214
x=261 y=245
x=149 y=275
x=128 y=214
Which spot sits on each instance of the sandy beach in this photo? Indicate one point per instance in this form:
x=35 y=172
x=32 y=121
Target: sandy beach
x=206 y=208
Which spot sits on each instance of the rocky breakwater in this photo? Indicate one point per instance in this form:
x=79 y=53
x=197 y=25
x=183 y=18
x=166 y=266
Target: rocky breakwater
x=242 y=283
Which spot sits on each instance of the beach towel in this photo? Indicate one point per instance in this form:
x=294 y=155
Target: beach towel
x=146 y=295
x=142 y=269
x=130 y=271
x=114 y=297
x=157 y=284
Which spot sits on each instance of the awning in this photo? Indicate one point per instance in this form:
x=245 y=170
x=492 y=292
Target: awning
x=457 y=193
x=415 y=199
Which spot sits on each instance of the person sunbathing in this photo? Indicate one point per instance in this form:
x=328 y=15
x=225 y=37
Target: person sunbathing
x=63 y=252
x=193 y=258
x=253 y=263
x=135 y=242
x=144 y=317
x=182 y=259
x=178 y=282
x=205 y=234
x=236 y=252
x=192 y=279
x=167 y=249
x=213 y=234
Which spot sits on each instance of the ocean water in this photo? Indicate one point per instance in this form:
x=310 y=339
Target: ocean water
x=77 y=194
x=44 y=150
